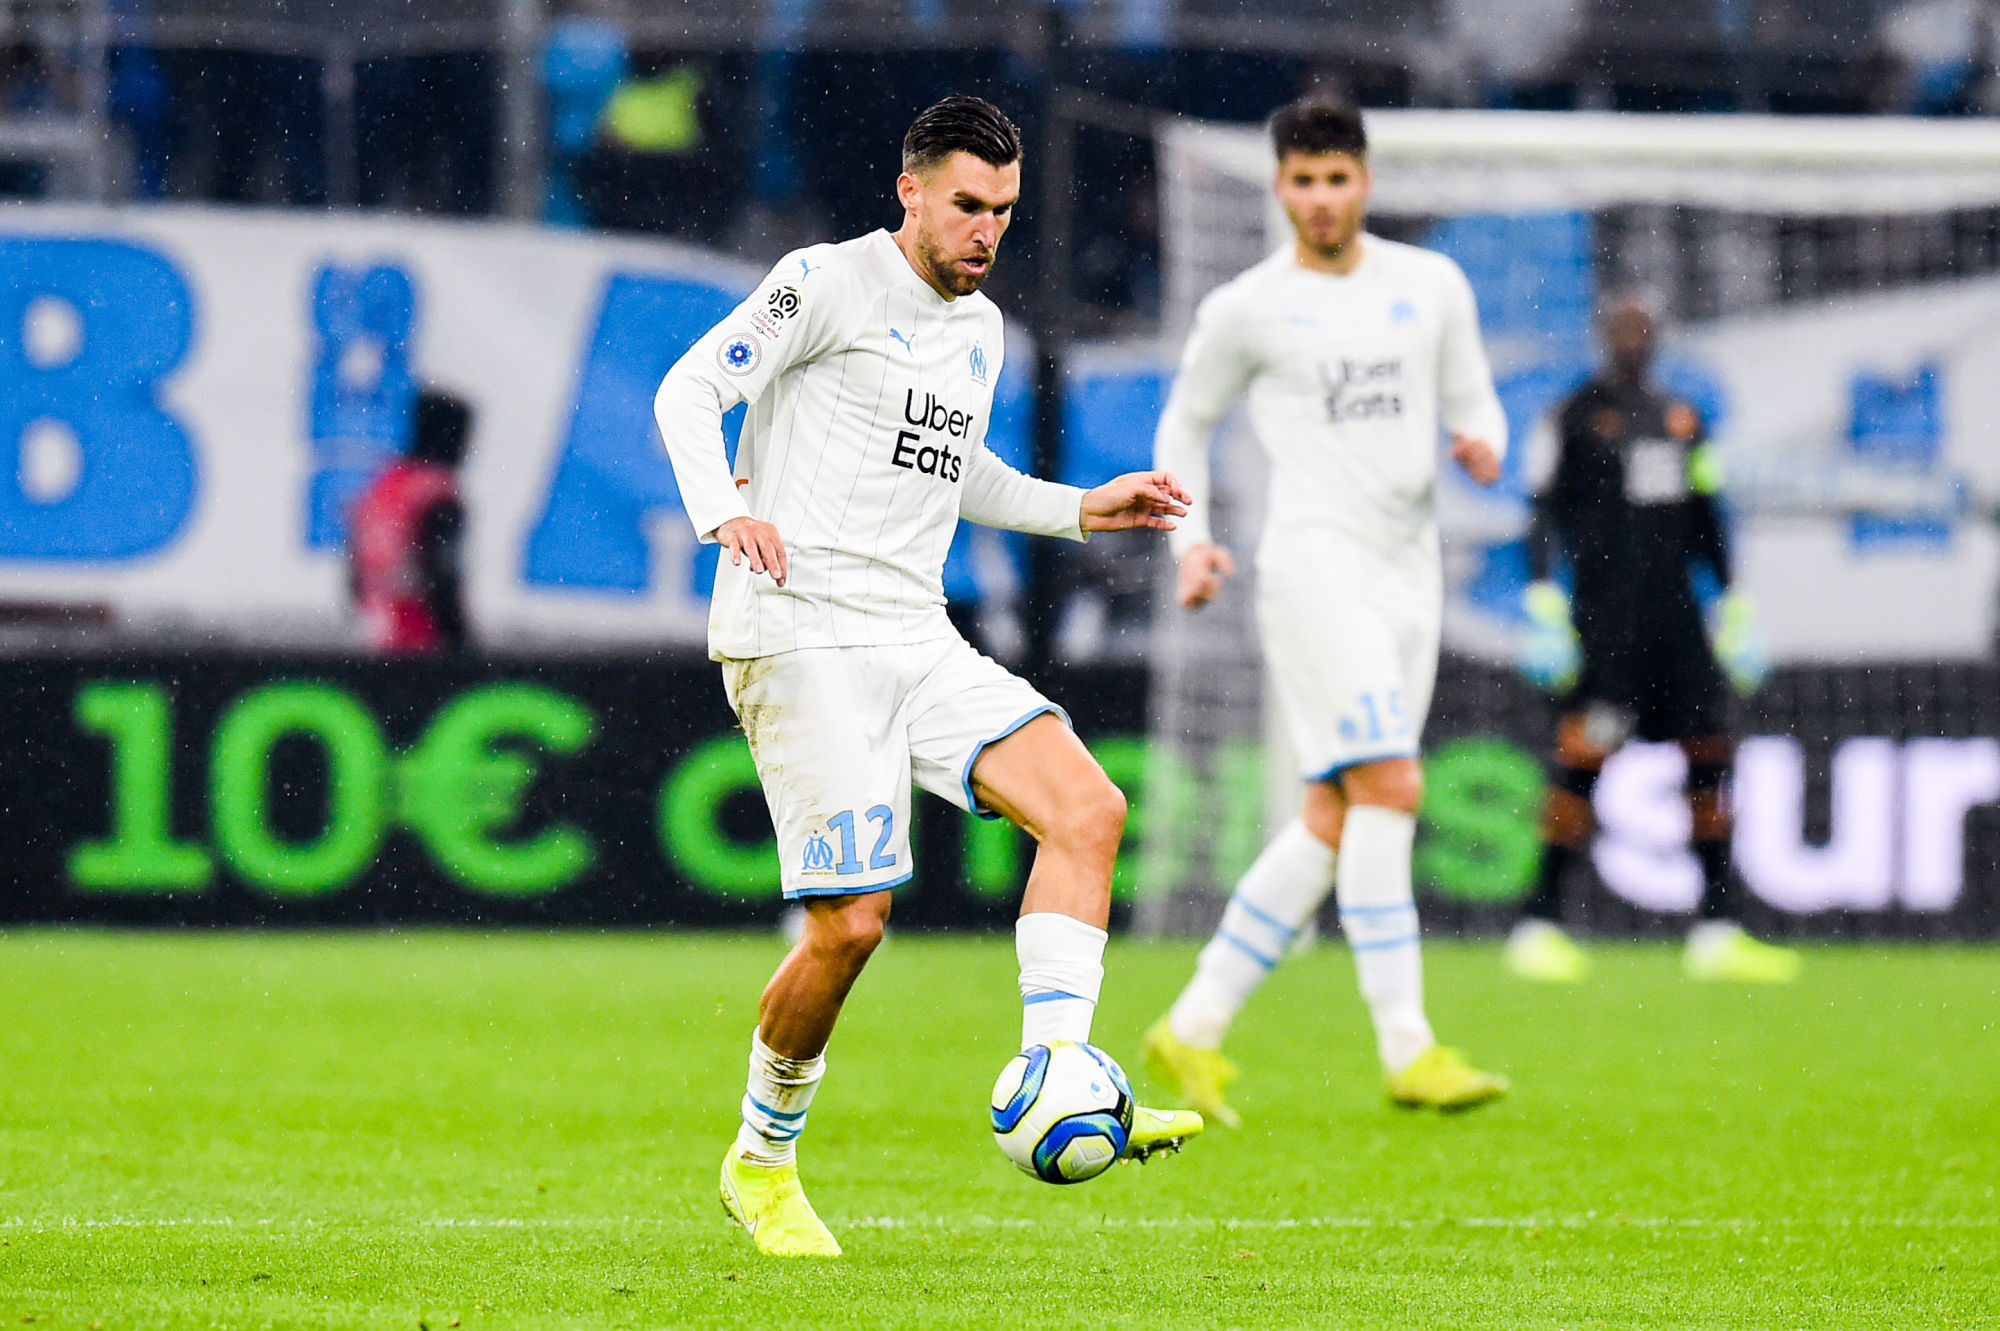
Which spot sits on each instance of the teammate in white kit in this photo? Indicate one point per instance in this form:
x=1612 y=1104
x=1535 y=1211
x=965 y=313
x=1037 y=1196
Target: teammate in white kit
x=1353 y=351
x=869 y=369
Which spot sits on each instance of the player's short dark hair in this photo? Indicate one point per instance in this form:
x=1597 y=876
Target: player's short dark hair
x=440 y=428
x=1317 y=124
x=960 y=124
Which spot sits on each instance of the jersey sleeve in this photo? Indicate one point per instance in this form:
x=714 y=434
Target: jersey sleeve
x=996 y=495
x=785 y=322
x=1216 y=366
x=1466 y=400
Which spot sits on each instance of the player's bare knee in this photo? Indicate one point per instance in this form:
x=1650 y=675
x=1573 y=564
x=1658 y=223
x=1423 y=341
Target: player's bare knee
x=1090 y=820
x=848 y=934
x=1566 y=818
x=1396 y=784
x=1710 y=812
x=1323 y=812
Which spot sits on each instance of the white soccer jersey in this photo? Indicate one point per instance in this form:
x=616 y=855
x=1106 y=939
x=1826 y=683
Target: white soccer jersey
x=864 y=444
x=1349 y=377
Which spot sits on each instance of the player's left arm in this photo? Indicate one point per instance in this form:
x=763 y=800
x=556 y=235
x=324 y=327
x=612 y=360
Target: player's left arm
x=998 y=496
x=1467 y=403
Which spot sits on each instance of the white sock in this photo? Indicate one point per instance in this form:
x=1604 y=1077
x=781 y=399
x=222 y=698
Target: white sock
x=1379 y=917
x=1273 y=901
x=774 y=1107
x=1062 y=972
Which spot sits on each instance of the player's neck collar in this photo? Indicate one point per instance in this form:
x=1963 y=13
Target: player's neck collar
x=1364 y=246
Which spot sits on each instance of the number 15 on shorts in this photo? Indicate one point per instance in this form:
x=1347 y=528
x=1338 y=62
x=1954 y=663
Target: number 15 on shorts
x=833 y=850
x=1376 y=717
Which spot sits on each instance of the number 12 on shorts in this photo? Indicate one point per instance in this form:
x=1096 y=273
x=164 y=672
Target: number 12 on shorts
x=818 y=853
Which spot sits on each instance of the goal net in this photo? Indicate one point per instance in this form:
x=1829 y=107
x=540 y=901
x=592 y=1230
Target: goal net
x=1831 y=300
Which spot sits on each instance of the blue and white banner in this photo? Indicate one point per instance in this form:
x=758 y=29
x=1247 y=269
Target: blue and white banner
x=191 y=398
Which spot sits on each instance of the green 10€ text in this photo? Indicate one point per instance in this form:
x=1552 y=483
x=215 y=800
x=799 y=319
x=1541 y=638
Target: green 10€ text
x=459 y=790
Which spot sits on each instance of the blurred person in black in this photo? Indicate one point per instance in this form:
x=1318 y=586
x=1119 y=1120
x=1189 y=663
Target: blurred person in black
x=1630 y=504
x=404 y=539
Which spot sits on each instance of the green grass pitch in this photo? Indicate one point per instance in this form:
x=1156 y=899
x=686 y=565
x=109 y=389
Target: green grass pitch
x=441 y=1129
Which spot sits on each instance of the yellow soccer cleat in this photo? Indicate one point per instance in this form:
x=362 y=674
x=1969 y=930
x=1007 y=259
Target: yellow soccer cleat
x=1721 y=951
x=1197 y=1076
x=1540 y=951
x=1160 y=1132
x=1440 y=1078
x=768 y=1202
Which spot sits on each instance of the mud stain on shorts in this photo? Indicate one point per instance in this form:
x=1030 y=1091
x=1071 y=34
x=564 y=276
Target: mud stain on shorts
x=762 y=721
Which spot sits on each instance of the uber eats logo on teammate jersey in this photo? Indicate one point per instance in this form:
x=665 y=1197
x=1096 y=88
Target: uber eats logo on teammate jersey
x=915 y=453
x=1362 y=390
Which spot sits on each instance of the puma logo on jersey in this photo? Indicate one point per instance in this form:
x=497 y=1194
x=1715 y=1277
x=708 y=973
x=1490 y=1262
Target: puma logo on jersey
x=909 y=343
x=805 y=269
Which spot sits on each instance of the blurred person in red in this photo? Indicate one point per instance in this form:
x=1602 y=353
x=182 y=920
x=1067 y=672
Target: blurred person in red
x=404 y=539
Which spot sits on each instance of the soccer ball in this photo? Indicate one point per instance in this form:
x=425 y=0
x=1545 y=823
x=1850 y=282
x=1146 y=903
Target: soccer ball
x=1062 y=1111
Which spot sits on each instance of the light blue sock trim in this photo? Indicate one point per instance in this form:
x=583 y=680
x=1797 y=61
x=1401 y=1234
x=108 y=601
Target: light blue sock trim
x=1049 y=996
x=1269 y=921
x=774 y=1113
x=1268 y=963
x=1409 y=904
x=1407 y=940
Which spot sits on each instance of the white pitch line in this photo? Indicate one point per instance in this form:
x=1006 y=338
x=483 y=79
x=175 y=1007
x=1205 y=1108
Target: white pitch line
x=1067 y=1223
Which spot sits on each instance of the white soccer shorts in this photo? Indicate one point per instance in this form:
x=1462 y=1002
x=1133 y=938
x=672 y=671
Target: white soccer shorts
x=1350 y=655
x=840 y=733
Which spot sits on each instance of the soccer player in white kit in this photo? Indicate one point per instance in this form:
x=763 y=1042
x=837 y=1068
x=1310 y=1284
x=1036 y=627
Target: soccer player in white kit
x=1353 y=350
x=869 y=368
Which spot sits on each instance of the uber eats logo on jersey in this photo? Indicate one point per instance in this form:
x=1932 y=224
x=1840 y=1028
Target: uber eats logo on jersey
x=1363 y=390
x=913 y=449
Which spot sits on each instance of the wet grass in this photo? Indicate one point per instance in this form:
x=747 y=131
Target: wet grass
x=521 y=1130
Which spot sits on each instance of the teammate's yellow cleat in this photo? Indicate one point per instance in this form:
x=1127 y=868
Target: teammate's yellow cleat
x=1197 y=1076
x=769 y=1203
x=1725 y=952
x=1440 y=1078
x=1160 y=1132
x=1538 y=950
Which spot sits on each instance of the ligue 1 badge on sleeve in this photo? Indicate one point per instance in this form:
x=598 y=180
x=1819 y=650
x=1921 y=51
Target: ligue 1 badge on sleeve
x=739 y=355
x=780 y=304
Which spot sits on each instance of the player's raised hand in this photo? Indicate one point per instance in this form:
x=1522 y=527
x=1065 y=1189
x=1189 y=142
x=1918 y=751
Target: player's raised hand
x=1136 y=499
x=1204 y=568
x=759 y=542
x=1478 y=456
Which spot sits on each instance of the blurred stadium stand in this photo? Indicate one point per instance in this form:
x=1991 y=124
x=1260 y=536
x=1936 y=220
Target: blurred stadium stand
x=356 y=101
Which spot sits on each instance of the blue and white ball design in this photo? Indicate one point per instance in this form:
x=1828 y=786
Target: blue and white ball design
x=1062 y=1111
